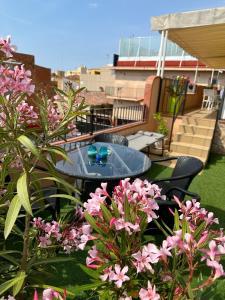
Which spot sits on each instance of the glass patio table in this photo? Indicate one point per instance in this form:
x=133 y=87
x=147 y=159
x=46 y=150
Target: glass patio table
x=121 y=162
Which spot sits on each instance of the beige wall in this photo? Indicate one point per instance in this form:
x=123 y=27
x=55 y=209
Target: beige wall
x=94 y=82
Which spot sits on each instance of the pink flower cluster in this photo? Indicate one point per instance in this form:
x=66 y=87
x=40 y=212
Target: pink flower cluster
x=26 y=113
x=5 y=46
x=48 y=232
x=120 y=221
x=140 y=195
x=49 y=294
x=14 y=81
x=71 y=237
x=54 y=115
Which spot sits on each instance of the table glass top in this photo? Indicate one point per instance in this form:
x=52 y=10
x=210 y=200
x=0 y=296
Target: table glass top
x=121 y=162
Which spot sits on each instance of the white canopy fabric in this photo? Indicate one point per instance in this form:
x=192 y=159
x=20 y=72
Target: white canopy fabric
x=201 y=33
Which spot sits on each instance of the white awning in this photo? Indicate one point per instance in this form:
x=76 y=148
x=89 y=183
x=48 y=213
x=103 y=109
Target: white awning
x=201 y=33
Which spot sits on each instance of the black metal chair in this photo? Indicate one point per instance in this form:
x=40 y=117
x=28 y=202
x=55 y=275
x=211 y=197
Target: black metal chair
x=111 y=138
x=186 y=168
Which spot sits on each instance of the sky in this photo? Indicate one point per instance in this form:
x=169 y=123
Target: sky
x=65 y=34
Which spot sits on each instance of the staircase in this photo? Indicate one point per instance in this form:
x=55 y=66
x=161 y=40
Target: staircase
x=194 y=137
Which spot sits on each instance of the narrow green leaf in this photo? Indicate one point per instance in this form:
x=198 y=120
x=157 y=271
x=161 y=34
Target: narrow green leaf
x=93 y=224
x=8 y=284
x=21 y=275
x=176 y=220
x=61 y=181
x=12 y=215
x=24 y=140
x=190 y=292
x=22 y=190
x=87 y=287
x=106 y=213
x=59 y=151
x=126 y=210
x=50 y=261
x=115 y=209
x=92 y=273
x=73 y=199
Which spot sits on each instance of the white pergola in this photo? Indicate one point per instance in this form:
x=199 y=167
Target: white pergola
x=201 y=33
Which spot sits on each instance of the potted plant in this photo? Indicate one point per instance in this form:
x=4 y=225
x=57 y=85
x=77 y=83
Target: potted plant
x=162 y=128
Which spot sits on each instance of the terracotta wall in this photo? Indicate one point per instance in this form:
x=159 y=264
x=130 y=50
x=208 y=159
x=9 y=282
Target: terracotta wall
x=41 y=76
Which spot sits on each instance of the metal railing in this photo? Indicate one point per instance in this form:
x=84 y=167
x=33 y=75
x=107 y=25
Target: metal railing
x=148 y=46
x=98 y=119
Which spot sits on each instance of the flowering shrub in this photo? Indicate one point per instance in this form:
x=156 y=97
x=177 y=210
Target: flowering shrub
x=30 y=121
x=125 y=266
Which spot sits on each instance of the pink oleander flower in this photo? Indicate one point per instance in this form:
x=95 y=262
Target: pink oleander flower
x=149 y=294
x=122 y=224
x=50 y=294
x=92 y=206
x=94 y=260
x=15 y=81
x=44 y=241
x=119 y=275
x=27 y=113
x=6 y=47
x=108 y=274
x=212 y=252
x=216 y=267
x=142 y=262
x=125 y=297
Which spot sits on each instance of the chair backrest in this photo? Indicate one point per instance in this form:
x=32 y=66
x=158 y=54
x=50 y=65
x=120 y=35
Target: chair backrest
x=186 y=165
x=208 y=93
x=111 y=138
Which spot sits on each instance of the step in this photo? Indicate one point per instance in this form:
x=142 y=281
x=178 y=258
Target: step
x=195 y=139
x=199 y=121
x=190 y=149
x=196 y=129
x=173 y=153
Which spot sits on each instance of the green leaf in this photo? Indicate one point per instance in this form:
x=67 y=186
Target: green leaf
x=61 y=181
x=190 y=292
x=12 y=215
x=50 y=261
x=72 y=198
x=92 y=273
x=176 y=220
x=126 y=210
x=59 y=151
x=93 y=224
x=18 y=286
x=115 y=209
x=106 y=213
x=87 y=287
x=24 y=140
x=22 y=190
x=10 y=283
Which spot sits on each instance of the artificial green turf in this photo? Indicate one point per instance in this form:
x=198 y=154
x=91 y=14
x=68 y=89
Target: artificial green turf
x=209 y=184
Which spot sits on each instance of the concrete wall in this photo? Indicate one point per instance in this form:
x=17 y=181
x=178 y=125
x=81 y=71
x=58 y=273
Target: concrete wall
x=93 y=82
